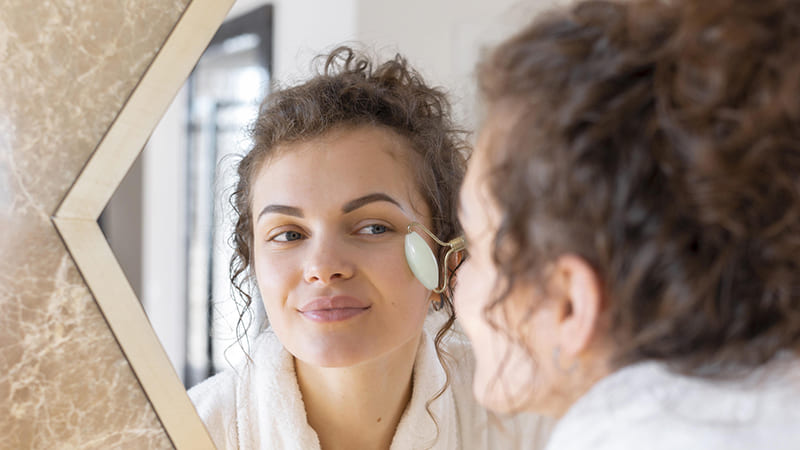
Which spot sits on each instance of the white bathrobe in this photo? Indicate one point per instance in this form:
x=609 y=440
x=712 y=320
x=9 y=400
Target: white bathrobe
x=261 y=407
x=645 y=406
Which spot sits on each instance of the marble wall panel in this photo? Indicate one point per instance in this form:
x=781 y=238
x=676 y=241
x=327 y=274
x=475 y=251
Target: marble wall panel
x=66 y=69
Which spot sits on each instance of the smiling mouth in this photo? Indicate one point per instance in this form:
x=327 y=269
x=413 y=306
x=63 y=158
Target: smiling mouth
x=333 y=315
x=336 y=308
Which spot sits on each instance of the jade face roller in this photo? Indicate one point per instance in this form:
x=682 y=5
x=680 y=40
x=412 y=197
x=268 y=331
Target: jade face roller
x=423 y=262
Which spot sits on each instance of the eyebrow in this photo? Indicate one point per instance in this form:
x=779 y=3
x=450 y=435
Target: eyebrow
x=350 y=206
x=281 y=209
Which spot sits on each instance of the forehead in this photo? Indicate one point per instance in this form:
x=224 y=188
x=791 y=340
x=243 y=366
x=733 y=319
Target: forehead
x=484 y=155
x=492 y=137
x=477 y=210
x=338 y=166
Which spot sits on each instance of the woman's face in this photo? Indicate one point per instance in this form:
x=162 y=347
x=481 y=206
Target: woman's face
x=506 y=378
x=330 y=216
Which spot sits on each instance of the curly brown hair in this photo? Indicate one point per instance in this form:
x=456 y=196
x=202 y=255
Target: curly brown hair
x=348 y=92
x=660 y=141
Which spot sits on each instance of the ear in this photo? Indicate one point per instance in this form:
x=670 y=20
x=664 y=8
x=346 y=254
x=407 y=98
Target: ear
x=580 y=303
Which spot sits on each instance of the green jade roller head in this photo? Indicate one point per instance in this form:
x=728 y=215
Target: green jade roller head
x=422 y=260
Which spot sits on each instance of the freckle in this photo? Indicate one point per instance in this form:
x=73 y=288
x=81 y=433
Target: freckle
x=379 y=419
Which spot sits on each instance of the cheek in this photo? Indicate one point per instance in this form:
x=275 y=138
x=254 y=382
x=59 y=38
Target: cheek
x=473 y=292
x=504 y=367
x=274 y=274
x=391 y=274
x=507 y=372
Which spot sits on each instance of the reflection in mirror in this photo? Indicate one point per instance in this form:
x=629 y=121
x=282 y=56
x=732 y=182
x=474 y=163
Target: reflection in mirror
x=169 y=220
x=223 y=96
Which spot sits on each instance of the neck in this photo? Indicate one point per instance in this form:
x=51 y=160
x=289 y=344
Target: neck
x=591 y=367
x=358 y=406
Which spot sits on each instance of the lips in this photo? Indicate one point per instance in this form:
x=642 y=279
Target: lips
x=333 y=309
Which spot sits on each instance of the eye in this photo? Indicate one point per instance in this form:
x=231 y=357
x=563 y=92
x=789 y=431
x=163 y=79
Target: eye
x=287 y=236
x=374 y=228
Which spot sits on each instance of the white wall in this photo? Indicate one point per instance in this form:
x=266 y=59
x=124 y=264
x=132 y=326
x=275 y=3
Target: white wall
x=444 y=38
x=164 y=230
x=302 y=30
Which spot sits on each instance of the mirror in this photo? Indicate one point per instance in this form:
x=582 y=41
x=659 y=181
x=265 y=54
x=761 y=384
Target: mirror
x=169 y=222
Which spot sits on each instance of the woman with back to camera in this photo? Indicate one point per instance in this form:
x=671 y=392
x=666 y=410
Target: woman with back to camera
x=632 y=213
x=347 y=170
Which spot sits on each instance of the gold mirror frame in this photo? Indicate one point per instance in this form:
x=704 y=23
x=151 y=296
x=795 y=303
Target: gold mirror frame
x=76 y=220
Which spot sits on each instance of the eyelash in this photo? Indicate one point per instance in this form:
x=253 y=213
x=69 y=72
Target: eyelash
x=275 y=237
x=301 y=236
x=386 y=229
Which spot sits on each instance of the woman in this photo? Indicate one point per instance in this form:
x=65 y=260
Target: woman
x=343 y=166
x=632 y=213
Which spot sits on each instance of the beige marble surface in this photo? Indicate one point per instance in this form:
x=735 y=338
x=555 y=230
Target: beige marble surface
x=66 y=69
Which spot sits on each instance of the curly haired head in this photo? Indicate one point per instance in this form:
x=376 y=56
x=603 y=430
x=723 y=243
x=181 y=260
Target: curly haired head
x=660 y=141
x=351 y=92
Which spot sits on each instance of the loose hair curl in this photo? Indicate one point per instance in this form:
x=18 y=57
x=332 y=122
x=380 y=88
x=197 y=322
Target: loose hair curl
x=660 y=141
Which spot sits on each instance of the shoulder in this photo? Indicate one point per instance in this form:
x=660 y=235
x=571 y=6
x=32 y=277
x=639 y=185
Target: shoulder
x=647 y=406
x=218 y=399
x=256 y=402
x=215 y=402
x=217 y=392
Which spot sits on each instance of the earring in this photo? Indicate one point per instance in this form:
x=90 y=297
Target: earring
x=557 y=362
x=422 y=260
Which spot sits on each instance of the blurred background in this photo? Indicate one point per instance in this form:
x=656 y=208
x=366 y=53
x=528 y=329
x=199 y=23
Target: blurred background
x=169 y=222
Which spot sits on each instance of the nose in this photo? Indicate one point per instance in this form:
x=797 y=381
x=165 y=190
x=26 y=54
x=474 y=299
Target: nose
x=328 y=262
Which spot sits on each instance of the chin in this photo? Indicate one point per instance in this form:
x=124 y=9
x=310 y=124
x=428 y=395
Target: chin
x=336 y=355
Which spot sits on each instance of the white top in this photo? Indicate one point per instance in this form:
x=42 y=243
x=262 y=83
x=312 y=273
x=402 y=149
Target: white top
x=262 y=407
x=645 y=406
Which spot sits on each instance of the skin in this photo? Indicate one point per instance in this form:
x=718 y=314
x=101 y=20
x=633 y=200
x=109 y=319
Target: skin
x=330 y=218
x=545 y=345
